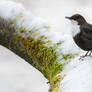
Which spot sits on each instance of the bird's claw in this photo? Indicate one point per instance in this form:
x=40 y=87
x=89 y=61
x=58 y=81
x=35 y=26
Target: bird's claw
x=82 y=57
x=87 y=54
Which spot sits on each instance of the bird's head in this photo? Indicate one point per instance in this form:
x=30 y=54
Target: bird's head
x=77 y=19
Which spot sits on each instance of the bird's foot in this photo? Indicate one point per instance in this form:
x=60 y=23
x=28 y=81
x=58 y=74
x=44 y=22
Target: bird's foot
x=87 y=54
x=90 y=55
x=82 y=57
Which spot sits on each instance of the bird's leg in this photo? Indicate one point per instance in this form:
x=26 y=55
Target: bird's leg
x=90 y=53
x=81 y=57
x=87 y=54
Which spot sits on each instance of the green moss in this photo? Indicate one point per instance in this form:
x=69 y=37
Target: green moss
x=22 y=31
x=67 y=56
x=55 y=84
x=44 y=57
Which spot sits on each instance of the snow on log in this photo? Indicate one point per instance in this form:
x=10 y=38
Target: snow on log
x=33 y=39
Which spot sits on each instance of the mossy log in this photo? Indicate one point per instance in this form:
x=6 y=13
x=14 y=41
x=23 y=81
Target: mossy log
x=38 y=51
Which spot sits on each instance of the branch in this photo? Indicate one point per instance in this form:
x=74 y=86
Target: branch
x=28 y=37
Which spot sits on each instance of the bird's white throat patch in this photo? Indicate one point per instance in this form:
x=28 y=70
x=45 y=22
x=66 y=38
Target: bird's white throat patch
x=75 y=28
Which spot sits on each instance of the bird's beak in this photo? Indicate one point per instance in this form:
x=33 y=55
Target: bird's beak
x=68 y=18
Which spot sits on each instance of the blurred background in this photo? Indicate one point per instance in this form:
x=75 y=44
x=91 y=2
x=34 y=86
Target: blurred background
x=54 y=11
x=18 y=76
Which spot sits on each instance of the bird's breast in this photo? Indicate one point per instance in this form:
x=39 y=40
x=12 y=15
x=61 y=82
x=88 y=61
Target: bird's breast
x=75 y=29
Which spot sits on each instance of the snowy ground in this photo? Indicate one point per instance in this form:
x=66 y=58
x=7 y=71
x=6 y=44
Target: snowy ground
x=18 y=76
x=78 y=76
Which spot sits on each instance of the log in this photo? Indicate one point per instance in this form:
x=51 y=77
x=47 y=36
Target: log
x=28 y=36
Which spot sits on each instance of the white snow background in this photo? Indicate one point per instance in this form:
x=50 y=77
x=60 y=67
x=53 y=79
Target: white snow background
x=18 y=76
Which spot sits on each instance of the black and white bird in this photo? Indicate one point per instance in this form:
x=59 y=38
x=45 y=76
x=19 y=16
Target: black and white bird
x=82 y=33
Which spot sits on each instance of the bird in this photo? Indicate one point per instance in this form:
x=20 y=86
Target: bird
x=81 y=33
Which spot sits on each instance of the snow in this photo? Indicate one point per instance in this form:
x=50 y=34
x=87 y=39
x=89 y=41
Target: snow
x=9 y=9
x=4 y=86
x=77 y=76
x=18 y=76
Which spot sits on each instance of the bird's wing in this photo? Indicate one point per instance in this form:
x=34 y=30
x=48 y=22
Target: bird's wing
x=86 y=32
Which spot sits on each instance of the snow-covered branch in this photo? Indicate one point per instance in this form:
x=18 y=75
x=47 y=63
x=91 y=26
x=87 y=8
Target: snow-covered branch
x=32 y=39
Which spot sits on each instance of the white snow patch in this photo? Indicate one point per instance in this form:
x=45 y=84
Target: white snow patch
x=77 y=76
x=9 y=9
x=75 y=29
x=16 y=75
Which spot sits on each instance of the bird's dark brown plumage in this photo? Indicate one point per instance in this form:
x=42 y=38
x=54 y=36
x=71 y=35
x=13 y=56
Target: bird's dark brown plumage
x=84 y=38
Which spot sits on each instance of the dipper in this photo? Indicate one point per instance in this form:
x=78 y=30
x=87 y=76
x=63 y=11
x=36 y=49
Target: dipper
x=82 y=33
